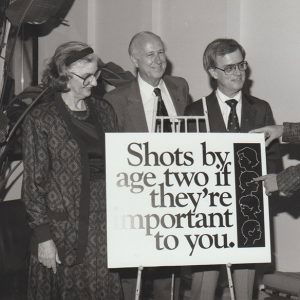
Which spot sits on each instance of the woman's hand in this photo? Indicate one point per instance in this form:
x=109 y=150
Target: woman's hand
x=48 y=255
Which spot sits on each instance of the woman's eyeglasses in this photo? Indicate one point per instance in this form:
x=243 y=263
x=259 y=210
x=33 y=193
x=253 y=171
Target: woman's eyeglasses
x=87 y=80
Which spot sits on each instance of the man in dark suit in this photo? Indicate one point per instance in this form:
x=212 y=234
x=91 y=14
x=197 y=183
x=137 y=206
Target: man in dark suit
x=136 y=106
x=224 y=60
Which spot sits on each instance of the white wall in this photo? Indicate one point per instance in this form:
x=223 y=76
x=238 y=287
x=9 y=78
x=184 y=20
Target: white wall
x=116 y=22
x=273 y=46
x=269 y=31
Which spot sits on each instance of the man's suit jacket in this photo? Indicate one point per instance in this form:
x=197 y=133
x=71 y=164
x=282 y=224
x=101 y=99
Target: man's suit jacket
x=256 y=113
x=127 y=102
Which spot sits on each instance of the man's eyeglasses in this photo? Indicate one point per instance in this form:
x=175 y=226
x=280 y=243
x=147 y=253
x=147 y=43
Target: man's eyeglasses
x=230 y=69
x=87 y=80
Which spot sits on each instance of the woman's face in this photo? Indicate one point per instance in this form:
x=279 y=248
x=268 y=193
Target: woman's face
x=75 y=84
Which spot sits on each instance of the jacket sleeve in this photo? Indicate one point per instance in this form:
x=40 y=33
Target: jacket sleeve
x=291 y=132
x=274 y=161
x=117 y=104
x=195 y=109
x=289 y=180
x=187 y=93
x=35 y=175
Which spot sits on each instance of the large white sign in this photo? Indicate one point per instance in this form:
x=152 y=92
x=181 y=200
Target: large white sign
x=186 y=199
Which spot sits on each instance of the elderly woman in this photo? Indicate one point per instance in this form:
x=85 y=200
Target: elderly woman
x=64 y=181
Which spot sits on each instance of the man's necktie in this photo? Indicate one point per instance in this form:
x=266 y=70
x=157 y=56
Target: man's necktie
x=162 y=111
x=233 y=121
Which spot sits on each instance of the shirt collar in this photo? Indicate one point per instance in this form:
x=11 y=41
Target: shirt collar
x=224 y=98
x=148 y=88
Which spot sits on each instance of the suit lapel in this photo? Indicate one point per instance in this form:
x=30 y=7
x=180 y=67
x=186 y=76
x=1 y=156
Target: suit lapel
x=216 y=121
x=173 y=91
x=248 y=114
x=135 y=115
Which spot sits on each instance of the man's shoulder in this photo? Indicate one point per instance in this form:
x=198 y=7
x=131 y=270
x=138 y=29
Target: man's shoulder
x=174 y=79
x=120 y=90
x=254 y=100
x=196 y=107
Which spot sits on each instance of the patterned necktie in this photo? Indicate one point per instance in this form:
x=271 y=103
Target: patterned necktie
x=233 y=121
x=162 y=111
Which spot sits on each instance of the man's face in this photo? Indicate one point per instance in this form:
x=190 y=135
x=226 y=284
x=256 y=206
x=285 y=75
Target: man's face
x=150 y=59
x=229 y=84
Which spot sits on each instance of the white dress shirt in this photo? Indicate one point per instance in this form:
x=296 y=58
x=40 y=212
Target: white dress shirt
x=225 y=108
x=149 y=100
